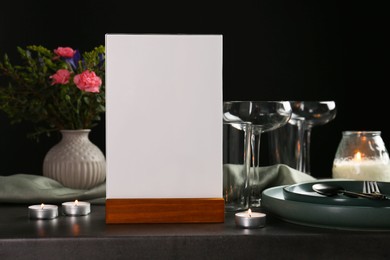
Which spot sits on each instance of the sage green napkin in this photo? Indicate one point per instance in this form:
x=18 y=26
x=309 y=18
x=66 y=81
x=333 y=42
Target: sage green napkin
x=26 y=188
x=269 y=176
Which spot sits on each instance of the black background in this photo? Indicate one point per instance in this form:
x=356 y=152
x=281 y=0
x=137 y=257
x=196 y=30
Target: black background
x=273 y=50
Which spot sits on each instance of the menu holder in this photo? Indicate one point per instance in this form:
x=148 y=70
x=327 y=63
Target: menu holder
x=164 y=129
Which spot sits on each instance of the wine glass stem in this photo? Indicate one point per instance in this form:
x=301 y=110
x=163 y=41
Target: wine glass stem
x=255 y=144
x=255 y=178
x=307 y=150
x=247 y=164
x=300 y=146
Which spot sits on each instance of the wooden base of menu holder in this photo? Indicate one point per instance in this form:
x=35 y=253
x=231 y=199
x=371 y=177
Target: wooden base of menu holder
x=162 y=210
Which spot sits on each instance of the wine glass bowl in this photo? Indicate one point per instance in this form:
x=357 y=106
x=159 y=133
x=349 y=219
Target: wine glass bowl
x=264 y=116
x=314 y=112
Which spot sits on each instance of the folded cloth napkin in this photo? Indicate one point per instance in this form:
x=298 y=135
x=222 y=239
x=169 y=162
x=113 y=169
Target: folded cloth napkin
x=269 y=176
x=26 y=188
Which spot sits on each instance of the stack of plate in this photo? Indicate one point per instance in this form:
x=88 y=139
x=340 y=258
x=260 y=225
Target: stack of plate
x=300 y=204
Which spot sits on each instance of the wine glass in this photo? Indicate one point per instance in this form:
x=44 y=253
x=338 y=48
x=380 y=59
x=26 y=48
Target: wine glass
x=290 y=144
x=314 y=113
x=255 y=118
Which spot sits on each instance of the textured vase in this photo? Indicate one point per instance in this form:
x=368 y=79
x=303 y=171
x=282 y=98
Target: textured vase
x=75 y=161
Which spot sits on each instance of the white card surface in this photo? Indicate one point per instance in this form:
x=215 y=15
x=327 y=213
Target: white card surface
x=164 y=116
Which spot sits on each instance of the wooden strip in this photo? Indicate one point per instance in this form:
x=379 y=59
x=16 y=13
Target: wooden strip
x=161 y=210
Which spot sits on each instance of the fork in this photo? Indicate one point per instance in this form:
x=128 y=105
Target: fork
x=371 y=187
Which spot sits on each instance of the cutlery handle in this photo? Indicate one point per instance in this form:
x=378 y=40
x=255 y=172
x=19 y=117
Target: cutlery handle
x=364 y=195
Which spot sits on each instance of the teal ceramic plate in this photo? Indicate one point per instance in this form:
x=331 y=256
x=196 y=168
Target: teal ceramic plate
x=324 y=215
x=303 y=192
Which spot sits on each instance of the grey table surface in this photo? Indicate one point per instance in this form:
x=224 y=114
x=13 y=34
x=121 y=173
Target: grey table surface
x=89 y=237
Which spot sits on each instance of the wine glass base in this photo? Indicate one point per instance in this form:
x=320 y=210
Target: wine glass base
x=235 y=208
x=255 y=203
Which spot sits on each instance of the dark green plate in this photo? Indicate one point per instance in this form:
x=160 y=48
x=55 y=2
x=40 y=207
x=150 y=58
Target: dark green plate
x=303 y=192
x=324 y=215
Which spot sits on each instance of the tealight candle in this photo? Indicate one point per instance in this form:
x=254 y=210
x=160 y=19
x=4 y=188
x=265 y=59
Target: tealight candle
x=43 y=211
x=249 y=219
x=76 y=208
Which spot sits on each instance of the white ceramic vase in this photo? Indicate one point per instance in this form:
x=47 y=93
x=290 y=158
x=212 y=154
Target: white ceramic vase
x=75 y=161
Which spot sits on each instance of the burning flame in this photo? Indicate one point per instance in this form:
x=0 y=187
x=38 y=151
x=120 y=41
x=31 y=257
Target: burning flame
x=357 y=156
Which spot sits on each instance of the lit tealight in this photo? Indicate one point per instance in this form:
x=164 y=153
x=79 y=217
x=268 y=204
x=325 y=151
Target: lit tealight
x=76 y=208
x=43 y=211
x=249 y=219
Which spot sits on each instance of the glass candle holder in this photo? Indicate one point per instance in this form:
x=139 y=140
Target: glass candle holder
x=361 y=155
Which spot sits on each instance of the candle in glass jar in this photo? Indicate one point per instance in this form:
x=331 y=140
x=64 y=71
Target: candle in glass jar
x=76 y=208
x=361 y=155
x=43 y=211
x=249 y=219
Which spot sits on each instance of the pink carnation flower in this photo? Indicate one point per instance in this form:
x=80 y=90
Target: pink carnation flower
x=65 y=52
x=62 y=77
x=88 y=81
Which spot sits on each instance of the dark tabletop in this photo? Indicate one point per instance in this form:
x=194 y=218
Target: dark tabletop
x=89 y=237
